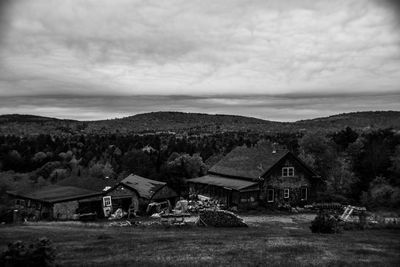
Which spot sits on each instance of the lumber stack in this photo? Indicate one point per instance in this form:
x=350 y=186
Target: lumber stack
x=220 y=218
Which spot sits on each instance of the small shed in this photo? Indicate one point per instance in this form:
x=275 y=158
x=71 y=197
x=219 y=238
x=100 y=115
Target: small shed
x=139 y=192
x=55 y=202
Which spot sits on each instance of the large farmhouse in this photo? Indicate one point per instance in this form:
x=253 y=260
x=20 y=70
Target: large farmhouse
x=249 y=176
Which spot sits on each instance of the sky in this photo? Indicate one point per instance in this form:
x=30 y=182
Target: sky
x=282 y=60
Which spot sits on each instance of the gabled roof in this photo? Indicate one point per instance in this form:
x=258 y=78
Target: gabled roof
x=56 y=193
x=230 y=183
x=146 y=188
x=248 y=162
x=302 y=163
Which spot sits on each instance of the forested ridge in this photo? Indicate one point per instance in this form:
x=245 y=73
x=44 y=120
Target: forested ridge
x=192 y=123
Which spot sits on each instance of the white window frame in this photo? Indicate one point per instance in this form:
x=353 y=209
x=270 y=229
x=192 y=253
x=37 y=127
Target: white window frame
x=286 y=193
x=107 y=201
x=306 y=195
x=270 y=192
x=287 y=171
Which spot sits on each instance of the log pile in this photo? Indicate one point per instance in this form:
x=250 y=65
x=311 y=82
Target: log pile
x=220 y=218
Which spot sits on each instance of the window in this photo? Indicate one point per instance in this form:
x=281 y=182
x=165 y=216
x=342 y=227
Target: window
x=287 y=171
x=286 y=193
x=304 y=193
x=270 y=195
x=107 y=201
x=20 y=202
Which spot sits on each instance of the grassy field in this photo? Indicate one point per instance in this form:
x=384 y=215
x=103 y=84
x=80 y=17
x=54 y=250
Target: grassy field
x=275 y=240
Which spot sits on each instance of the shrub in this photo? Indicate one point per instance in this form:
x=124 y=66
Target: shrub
x=324 y=223
x=40 y=253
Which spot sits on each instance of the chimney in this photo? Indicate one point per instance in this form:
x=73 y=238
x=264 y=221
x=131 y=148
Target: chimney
x=274 y=145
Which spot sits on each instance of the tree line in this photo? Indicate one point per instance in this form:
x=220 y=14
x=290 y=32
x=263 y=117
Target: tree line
x=358 y=166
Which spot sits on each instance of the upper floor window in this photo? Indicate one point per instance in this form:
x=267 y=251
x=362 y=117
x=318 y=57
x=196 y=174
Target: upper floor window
x=287 y=171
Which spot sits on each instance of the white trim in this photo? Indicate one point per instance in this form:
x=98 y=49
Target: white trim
x=287 y=171
x=268 y=194
x=107 y=201
x=286 y=193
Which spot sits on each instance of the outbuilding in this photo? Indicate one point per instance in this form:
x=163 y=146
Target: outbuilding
x=137 y=192
x=56 y=202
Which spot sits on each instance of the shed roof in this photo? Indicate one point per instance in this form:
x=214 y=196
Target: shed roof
x=146 y=188
x=230 y=183
x=248 y=162
x=56 y=193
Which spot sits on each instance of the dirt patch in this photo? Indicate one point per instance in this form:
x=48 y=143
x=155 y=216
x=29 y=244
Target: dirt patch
x=285 y=219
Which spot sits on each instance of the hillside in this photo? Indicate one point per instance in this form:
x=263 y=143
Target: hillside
x=179 y=121
x=193 y=122
x=356 y=120
x=23 y=118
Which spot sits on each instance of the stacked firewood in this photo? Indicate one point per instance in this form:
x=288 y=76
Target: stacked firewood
x=220 y=218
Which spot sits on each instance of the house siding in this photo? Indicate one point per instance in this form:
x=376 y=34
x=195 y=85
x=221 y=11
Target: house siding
x=121 y=192
x=65 y=210
x=274 y=180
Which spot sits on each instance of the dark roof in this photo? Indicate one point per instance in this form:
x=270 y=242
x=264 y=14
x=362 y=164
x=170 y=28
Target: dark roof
x=146 y=188
x=230 y=183
x=56 y=193
x=248 y=162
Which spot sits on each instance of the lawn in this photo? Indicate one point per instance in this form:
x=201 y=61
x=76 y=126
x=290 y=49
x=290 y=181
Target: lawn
x=275 y=240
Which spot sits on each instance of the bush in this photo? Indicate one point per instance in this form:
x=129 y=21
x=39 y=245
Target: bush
x=324 y=223
x=40 y=253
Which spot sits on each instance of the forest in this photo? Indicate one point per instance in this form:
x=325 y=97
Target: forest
x=358 y=166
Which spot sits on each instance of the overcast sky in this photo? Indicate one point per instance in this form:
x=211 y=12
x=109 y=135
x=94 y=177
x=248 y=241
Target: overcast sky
x=278 y=60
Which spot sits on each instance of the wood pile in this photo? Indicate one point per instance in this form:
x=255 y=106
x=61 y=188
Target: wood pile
x=220 y=218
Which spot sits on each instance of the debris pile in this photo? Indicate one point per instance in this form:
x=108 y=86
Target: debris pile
x=181 y=206
x=220 y=218
x=199 y=203
x=118 y=214
x=158 y=207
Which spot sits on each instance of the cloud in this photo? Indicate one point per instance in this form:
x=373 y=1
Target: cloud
x=199 y=48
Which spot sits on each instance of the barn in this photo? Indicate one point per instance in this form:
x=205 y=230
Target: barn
x=139 y=192
x=56 y=202
x=262 y=174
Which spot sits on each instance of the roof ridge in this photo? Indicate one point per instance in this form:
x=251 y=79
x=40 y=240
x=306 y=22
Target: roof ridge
x=249 y=162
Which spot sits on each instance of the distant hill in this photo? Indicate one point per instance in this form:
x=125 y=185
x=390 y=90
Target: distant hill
x=196 y=123
x=12 y=118
x=179 y=121
x=355 y=120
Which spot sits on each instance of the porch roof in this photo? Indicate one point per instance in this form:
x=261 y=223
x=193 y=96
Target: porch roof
x=230 y=183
